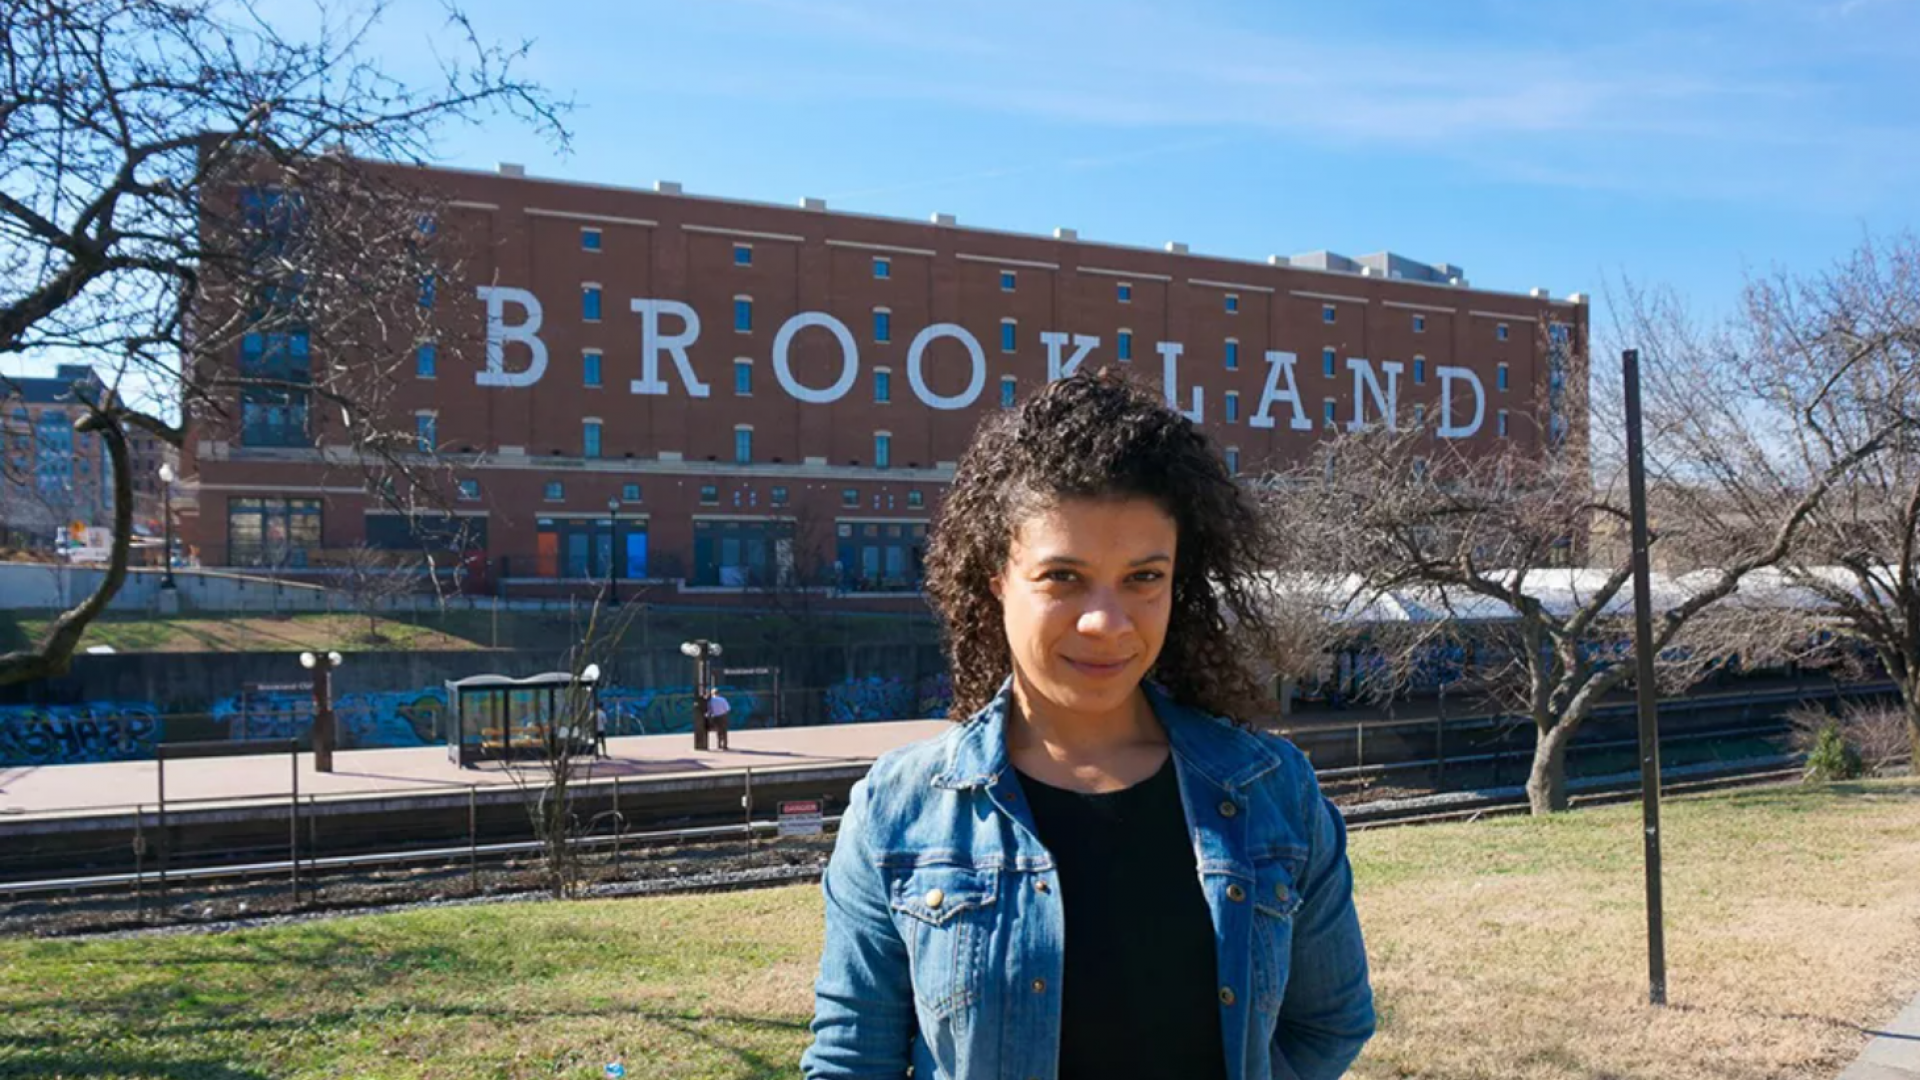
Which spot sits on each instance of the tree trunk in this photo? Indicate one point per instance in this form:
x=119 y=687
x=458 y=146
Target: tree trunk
x=1911 y=692
x=1547 y=780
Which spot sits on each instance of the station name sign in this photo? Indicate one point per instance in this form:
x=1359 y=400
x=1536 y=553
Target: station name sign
x=670 y=328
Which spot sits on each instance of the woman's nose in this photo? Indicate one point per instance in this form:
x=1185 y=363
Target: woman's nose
x=1104 y=615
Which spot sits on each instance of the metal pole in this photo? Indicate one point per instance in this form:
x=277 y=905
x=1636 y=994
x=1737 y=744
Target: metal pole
x=746 y=804
x=313 y=850
x=160 y=825
x=1644 y=676
x=473 y=842
x=619 y=826
x=613 y=557
x=140 y=862
x=166 y=553
x=293 y=822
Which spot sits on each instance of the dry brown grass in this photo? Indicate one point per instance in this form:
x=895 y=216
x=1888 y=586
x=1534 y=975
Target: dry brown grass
x=1517 y=948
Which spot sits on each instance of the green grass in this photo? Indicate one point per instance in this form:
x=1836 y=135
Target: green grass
x=456 y=630
x=1505 y=948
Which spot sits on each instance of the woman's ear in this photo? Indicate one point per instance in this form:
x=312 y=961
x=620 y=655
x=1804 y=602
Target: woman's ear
x=998 y=583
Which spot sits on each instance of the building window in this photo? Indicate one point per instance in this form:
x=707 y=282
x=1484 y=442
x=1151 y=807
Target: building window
x=882 y=385
x=427 y=290
x=1419 y=416
x=426 y=432
x=882 y=269
x=1500 y=332
x=1500 y=376
x=1419 y=370
x=590 y=303
x=743 y=378
x=1008 y=279
x=1233 y=407
x=882 y=325
x=1124 y=343
x=272 y=532
x=630 y=493
x=469 y=491
x=426 y=358
x=275 y=415
x=850 y=497
x=780 y=495
x=743 y=314
x=876 y=557
x=1124 y=292
x=743 y=254
x=584 y=549
x=1233 y=303
x=589 y=239
x=1419 y=324
x=590 y=367
x=1233 y=355
x=742 y=445
x=916 y=500
x=1327 y=362
x=590 y=438
x=882 y=450
x=741 y=554
x=1009 y=333
x=1007 y=388
x=1330 y=411
x=1501 y=418
x=1233 y=460
x=555 y=491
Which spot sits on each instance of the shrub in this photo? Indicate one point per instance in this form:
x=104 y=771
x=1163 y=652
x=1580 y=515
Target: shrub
x=1831 y=758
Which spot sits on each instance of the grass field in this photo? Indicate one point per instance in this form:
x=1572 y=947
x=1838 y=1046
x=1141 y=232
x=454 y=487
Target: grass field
x=456 y=630
x=1508 y=948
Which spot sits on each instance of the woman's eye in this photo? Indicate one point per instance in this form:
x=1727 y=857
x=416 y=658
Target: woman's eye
x=1149 y=575
x=1057 y=575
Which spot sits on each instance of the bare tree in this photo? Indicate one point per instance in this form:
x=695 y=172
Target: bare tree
x=372 y=580
x=1492 y=538
x=190 y=202
x=1834 y=361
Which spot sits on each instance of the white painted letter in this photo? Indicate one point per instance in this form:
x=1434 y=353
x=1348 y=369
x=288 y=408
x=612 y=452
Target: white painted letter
x=1448 y=429
x=1280 y=366
x=499 y=333
x=849 y=358
x=1365 y=383
x=1054 y=339
x=914 y=357
x=651 y=342
x=1170 y=378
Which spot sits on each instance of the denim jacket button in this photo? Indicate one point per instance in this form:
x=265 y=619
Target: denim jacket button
x=1039 y=986
x=936 y=897
x=1280 y=891
x=1226 y=995
x=1040 y=885
x=1228 y=809
x=1235 y=893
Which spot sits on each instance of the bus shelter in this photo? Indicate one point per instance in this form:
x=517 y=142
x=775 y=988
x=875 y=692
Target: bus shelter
x=497 y=718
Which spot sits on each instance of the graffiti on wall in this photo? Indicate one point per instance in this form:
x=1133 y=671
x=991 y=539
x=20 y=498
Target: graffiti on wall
x=124 y=731
x=74 y=734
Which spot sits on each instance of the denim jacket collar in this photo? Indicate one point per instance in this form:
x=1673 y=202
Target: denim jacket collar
x=1225 y=755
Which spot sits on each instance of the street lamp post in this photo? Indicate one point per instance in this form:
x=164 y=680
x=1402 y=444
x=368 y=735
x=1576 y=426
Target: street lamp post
x=702 y=651
x=613 y=553
x=166 y=514
x=322 y=665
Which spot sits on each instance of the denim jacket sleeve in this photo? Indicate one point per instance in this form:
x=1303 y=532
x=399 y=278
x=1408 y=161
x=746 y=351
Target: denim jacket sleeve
x=863 y=1022
x=1327 y=1013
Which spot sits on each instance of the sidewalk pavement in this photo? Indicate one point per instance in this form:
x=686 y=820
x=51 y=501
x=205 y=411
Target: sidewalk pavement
x=1894 y=1053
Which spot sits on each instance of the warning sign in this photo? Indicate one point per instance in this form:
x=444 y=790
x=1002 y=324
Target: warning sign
x=801 y=818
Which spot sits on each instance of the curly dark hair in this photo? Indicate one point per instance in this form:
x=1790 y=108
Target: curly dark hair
x=1104 y=436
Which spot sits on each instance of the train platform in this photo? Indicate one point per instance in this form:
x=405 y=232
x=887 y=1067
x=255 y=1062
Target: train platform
x=46 y=796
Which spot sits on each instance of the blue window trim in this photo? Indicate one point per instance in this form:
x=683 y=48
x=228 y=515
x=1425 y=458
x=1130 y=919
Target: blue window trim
x=743 y=316
x=882 y=387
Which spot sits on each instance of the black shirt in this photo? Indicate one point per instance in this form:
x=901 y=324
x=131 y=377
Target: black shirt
x=1139 y=998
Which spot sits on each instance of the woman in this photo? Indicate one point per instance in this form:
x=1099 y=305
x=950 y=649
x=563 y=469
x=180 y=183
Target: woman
x=1094 y=875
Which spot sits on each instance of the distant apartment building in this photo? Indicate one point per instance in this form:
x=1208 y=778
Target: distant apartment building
x=707 y=396
x=51 y=477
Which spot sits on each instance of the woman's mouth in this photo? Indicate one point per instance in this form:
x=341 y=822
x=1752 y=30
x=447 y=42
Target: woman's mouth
x=1098 y=669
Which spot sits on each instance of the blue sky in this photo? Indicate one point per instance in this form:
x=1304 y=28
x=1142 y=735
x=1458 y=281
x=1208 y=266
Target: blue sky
x=1683 y=142
x=1678 y=142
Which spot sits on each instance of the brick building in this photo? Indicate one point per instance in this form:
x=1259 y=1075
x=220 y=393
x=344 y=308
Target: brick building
x=711 y=396
x=51 y=476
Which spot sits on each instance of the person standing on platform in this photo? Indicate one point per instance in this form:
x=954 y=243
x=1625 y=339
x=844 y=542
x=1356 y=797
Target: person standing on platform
x=599 y=730
x=1100 y=871
x=717 y=709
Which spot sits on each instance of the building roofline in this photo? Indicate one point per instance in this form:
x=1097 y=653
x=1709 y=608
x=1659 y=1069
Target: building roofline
x=945 y=222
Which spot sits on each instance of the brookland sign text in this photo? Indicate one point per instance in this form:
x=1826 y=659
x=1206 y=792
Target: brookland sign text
x=671 y=327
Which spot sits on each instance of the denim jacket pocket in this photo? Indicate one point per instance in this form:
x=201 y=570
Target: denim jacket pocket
x=945 y=918
x=1275 y=900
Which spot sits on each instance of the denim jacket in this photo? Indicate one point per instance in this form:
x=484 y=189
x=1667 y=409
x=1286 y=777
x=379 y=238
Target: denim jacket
x=945 y=935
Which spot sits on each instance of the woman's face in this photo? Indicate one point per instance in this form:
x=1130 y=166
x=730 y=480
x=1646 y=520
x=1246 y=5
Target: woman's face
x=1086 y=594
